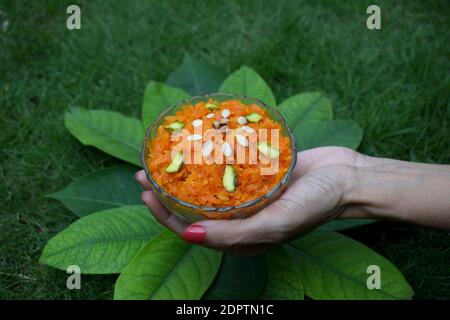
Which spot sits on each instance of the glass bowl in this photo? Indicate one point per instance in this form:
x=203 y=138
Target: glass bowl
x=192 y=213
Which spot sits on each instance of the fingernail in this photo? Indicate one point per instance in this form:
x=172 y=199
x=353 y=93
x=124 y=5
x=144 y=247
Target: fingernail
x=195 y=234
x=142 y=196
x=136 y=175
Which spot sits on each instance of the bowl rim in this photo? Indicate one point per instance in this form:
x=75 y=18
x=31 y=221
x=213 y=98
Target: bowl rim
x=210 y=209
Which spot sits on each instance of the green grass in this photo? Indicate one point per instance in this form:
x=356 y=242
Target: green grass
x=394 y=82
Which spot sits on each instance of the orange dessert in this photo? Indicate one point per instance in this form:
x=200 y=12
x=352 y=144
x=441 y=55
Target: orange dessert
x=218 y=183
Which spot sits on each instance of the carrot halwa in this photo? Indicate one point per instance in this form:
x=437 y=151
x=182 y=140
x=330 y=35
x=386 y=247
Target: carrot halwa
x=204 y=184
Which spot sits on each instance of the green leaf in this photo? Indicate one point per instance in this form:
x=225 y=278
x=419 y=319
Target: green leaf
x=345 y=133
x=306 y=108
x=109 y=131
x=334 y=266
x=344 y=224
x=284 y=279
x=102 y=242
x=102 y=189
x=248 y=82
x=157 y=97
x=234 y=272
x=196 y=77
x=168 y=268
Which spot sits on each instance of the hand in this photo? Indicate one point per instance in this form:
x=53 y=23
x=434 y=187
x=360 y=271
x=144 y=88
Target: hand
x=316 y=195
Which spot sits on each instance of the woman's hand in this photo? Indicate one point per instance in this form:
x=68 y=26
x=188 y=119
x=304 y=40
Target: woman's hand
x=317 y=194
x=328 y=183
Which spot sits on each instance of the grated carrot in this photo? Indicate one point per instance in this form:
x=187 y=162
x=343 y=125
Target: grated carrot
x=201 y=184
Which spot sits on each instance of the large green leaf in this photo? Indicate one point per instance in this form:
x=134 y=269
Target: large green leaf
x=334 y=266
x=284 y=279
x=109 y=131
x=168 y=268
x=102 y=242
x=345 y=133
x=196 y=77
x=248 y=82
x=236 y=271
x=305 y=108
x=157 y=97
x=102 y=189
x=344 y=224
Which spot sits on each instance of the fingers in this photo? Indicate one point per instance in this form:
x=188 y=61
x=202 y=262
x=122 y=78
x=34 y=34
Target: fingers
x=309 y=202
x=195 y=233
x=142 y=179
x=245 y=236
x=267 y=227
x=161 y=214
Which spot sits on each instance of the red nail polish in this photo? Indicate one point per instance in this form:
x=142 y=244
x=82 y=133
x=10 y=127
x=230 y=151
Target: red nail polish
x=195 y=234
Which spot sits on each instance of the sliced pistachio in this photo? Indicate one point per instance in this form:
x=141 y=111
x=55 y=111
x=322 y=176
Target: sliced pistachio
x=211 y=106
x=174 y=126
x=229 y=178
x=267 y=150
x=176 y=163
x=254 y=117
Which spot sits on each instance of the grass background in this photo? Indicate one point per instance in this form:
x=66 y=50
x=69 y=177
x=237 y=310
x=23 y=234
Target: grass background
x=394 y=82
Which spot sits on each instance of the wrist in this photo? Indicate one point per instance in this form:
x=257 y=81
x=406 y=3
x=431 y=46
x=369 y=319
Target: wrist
x=371 y=188
x=377 y=188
